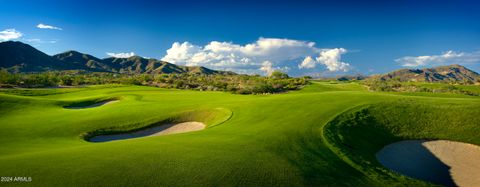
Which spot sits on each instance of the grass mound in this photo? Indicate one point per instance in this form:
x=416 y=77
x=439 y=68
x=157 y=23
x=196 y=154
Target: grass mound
x=271 y=140
x=84 y=104
x=209 y=117
x=357 y=135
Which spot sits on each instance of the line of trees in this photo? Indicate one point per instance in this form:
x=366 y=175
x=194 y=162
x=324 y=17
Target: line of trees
x=241 y=84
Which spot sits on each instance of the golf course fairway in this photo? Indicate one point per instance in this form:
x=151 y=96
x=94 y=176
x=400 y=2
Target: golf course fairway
x=326 y=134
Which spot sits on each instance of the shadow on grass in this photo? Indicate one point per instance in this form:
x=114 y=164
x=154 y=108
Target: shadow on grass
x=91 y=103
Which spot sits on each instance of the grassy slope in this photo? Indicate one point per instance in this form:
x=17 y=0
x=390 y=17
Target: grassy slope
x=269 y=140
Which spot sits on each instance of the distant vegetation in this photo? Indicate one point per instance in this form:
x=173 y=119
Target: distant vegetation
x=448 y=74
x=241 y=84
x=466 y=88
x=442 y=79
x=22 y=65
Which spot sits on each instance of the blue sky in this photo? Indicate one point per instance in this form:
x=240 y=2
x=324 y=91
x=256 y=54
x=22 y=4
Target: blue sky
x=256 y=37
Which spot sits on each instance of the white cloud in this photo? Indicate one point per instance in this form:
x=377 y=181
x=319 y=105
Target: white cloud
x=10 y=34
x=446 y=57
x=35 y=40
x=263 y=55
x=44 y=26
x=121 y=55
x=181 y=52
x=308 y=63
x=40 y=41
x=267 y=68
x=331 y=59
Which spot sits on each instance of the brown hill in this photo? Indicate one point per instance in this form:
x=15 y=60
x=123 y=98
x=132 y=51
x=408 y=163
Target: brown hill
x=451 y=73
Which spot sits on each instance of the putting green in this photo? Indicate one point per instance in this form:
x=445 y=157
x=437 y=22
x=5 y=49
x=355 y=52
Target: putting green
x=325 y=134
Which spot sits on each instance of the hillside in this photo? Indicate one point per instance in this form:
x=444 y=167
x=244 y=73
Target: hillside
x=136 y=64
x=86 y=61
x=19 y=57
x=451 y=73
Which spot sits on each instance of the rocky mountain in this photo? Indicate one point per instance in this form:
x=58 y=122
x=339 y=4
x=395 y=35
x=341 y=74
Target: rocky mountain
x=20 y=57
x=451 y=73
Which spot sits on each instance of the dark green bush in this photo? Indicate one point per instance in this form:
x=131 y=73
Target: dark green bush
x=241 y=84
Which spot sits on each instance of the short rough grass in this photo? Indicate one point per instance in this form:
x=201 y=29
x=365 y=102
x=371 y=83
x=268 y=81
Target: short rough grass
x=324 y=135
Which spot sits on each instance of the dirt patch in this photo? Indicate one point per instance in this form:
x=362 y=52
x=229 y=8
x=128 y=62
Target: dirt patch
x=152 y=131
x=442 y=162
x=92 y=105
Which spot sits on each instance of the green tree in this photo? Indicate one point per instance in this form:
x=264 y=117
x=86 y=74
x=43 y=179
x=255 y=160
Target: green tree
x=279 y=75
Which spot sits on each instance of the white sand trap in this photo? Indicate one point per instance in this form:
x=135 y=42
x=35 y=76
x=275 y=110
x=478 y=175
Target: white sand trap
x=93 y=105
x=152 y=131
x=442 y=162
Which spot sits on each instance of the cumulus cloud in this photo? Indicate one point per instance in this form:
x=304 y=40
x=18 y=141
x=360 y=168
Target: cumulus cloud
x=44 y=26
x=10 y=34
x=267 y=67
x=262 y=56
x=121 y=55
x=308 y=63
x=181 y=52
x=331 y=58
x=446 y=57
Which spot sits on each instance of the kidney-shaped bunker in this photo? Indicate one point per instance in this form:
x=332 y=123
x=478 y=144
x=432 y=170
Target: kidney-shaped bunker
x=180 y=123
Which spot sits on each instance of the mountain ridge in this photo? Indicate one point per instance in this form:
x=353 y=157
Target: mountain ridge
x=19 y=57
x=446 y=73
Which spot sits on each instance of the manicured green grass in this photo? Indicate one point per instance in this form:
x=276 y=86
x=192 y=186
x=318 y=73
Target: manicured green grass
x=323 y=135
x=359 y=133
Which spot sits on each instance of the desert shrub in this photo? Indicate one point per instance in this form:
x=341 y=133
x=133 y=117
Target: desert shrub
x=398 y=86
x=241 y=84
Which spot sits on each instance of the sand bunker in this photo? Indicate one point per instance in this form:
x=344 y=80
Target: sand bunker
x=93 y=105
x=152 y=131
x=442 y=162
